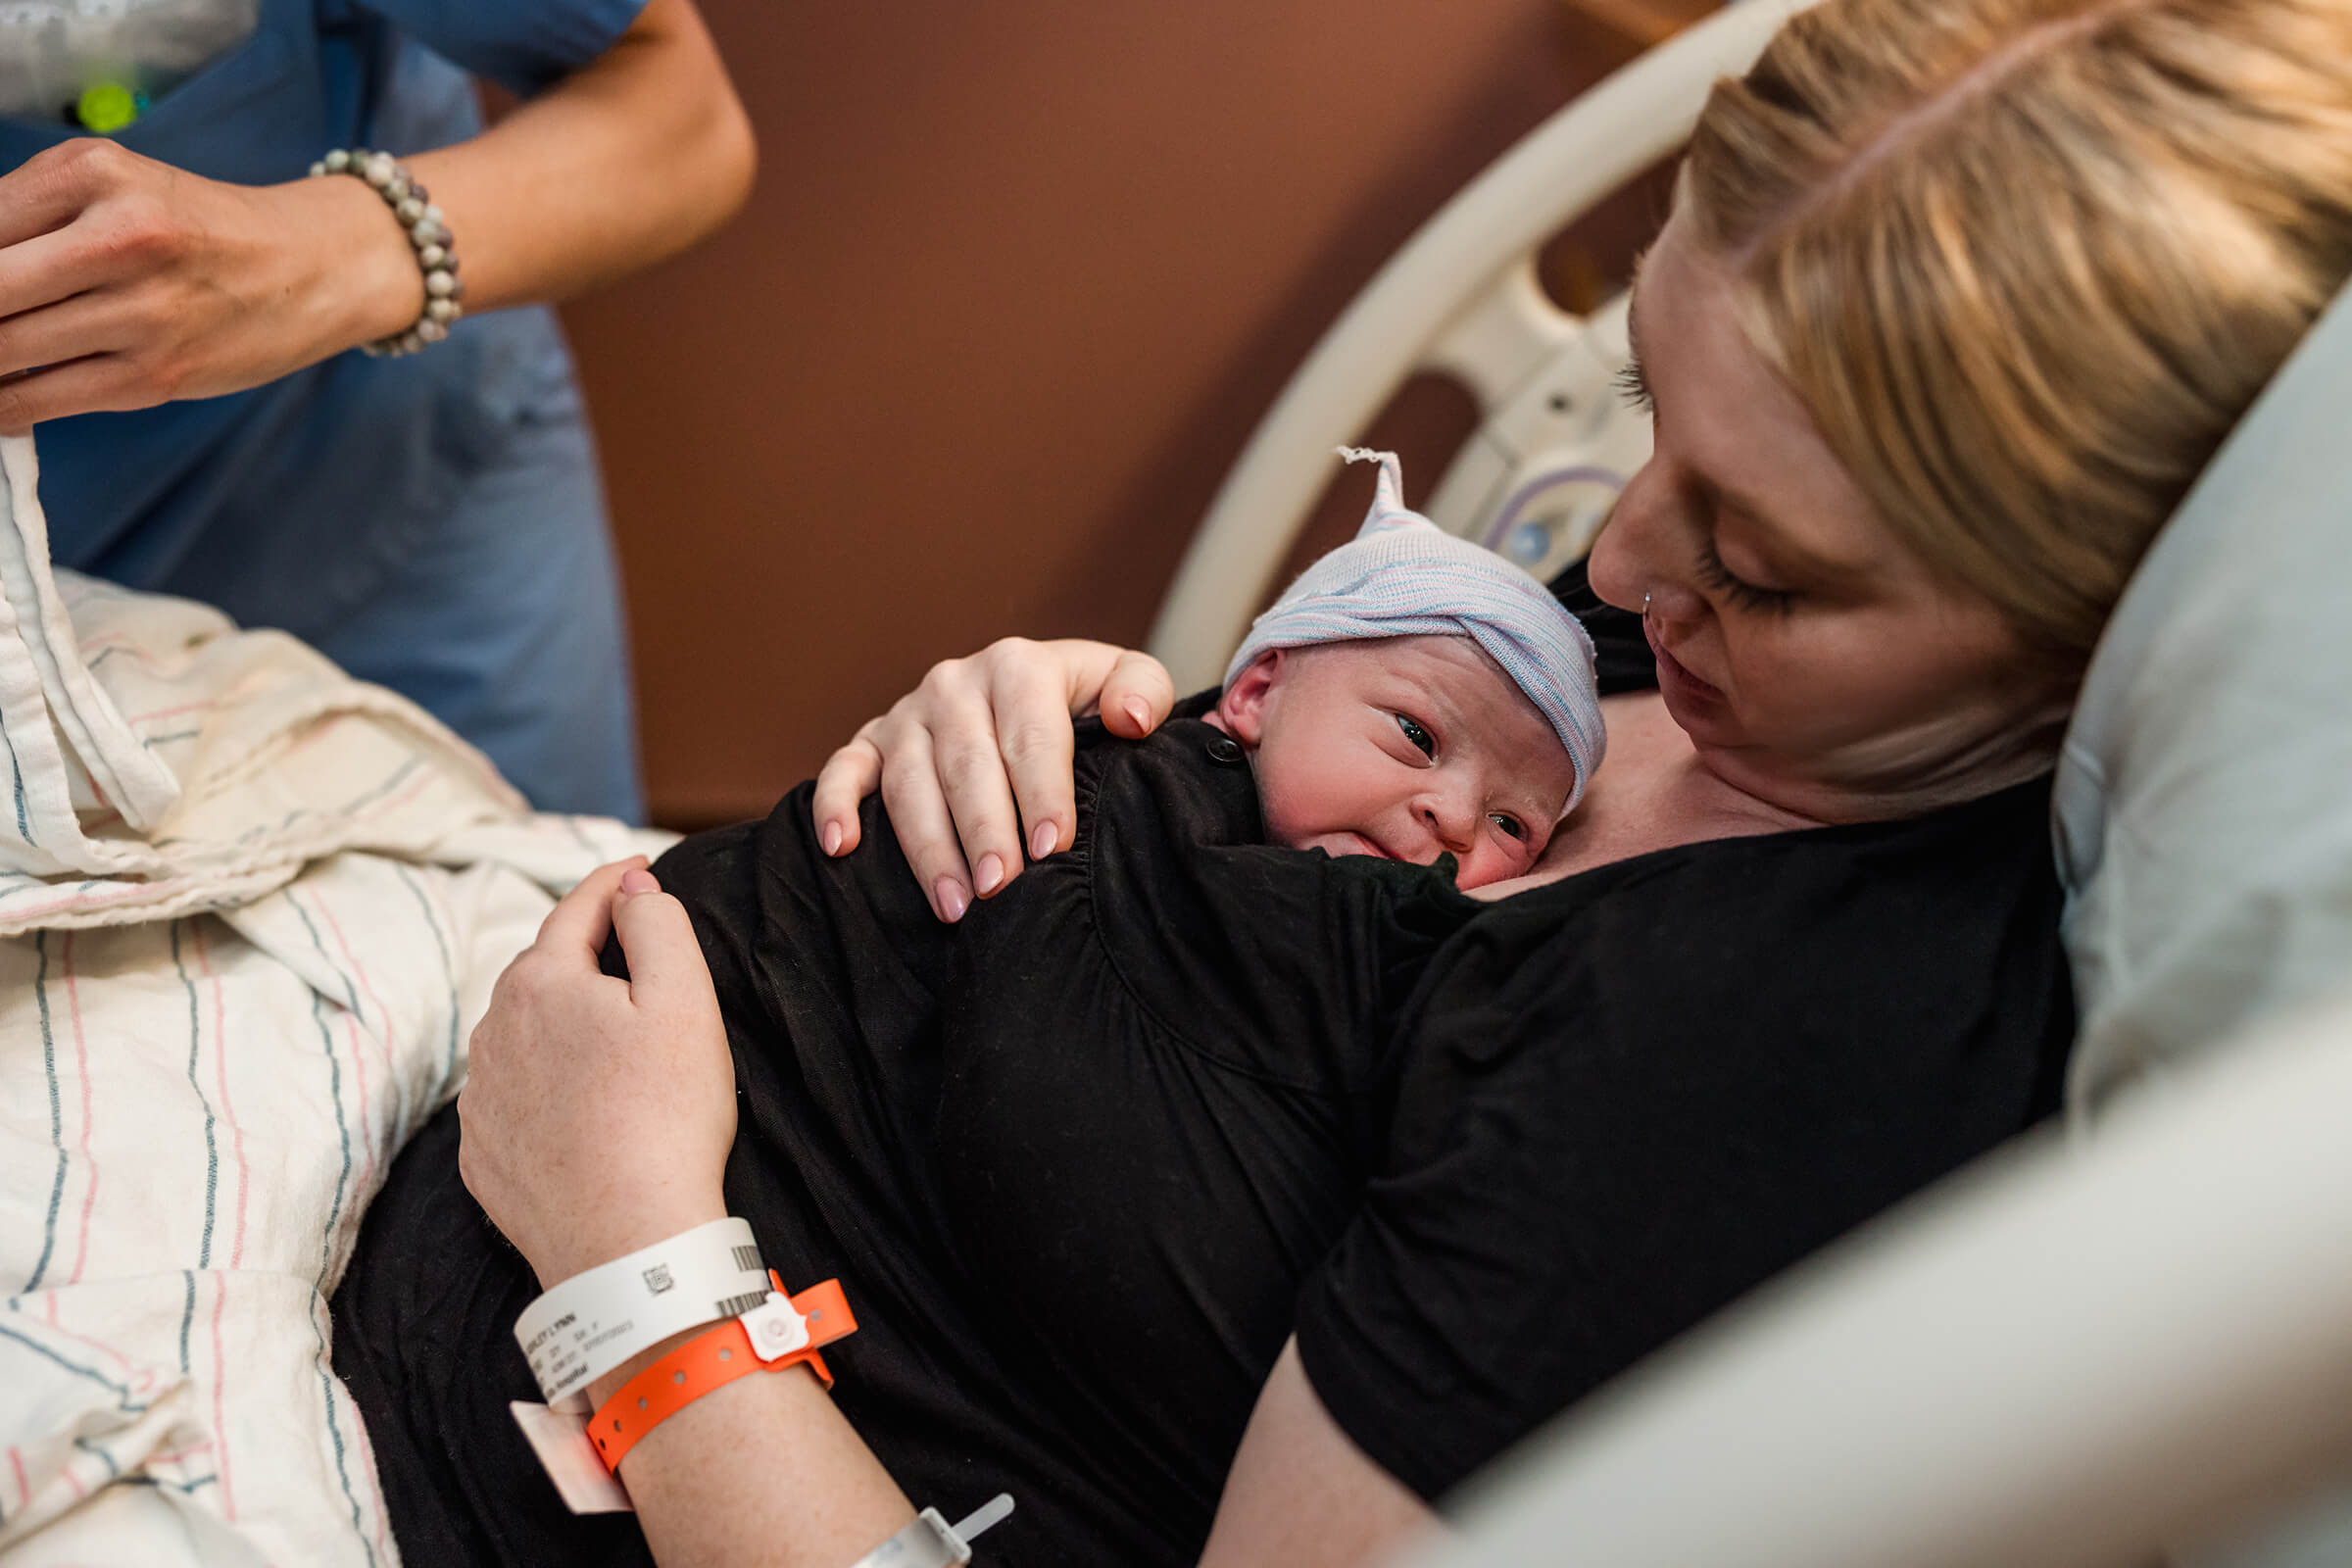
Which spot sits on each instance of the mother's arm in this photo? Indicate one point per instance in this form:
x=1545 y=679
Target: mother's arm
x=984 y=746
x=1299 y=1492
x=598 y=1119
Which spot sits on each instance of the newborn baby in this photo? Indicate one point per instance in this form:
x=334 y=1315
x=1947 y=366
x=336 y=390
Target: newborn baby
x=1413 y=695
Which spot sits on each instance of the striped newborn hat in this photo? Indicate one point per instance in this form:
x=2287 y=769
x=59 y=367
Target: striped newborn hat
x=1403 y=576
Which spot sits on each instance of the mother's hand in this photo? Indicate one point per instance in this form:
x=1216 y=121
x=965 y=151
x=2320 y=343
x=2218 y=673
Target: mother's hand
x=982 y=746
x=599 y=1112
x=125 y=282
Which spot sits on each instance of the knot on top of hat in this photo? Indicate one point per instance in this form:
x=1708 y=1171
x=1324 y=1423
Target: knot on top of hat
x=1403 y=576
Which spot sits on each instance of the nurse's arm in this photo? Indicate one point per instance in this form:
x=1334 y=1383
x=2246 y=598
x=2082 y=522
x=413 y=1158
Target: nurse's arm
x=125 y=282
x=631 y=159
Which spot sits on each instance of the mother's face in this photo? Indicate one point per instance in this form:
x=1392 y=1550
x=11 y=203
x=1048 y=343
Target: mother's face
x=1814 y=659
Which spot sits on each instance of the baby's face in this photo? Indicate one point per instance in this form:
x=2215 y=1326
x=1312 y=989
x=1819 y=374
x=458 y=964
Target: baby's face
x=1406 y=748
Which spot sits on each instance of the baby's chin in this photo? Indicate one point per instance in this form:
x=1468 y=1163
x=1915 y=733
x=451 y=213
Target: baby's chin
x=1341 y=843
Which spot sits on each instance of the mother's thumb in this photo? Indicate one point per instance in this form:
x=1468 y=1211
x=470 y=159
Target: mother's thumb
x=656 y=937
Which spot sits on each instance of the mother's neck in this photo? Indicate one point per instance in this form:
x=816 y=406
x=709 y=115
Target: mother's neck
x=1654 y=793
x=1651 y=793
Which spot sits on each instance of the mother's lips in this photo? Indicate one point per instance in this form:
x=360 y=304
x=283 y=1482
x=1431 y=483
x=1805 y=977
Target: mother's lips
x=1671 y=669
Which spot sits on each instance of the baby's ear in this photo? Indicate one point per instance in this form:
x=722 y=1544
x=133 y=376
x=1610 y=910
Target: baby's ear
x=1242 y=707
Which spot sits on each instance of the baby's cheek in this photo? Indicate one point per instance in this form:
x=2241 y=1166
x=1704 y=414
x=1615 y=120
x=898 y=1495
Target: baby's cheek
x=1498 y=863
x=1290 y=799
x=1477 y=869
x=1283 y=823
x=1532 y=851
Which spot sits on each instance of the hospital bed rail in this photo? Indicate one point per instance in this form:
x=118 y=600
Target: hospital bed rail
x=1461 y=298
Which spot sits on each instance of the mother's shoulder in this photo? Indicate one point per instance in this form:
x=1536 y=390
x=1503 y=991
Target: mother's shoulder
x=1974 y=867
x=1914 y=956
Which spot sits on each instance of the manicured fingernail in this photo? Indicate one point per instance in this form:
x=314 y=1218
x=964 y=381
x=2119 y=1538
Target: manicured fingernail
x=638 y=880
x=949 y=893
x=1042 y=840
x=830 y=838
x=1135 y=710
x=987 y=874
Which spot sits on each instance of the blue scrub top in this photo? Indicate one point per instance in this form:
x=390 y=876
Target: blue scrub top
x=433 y=521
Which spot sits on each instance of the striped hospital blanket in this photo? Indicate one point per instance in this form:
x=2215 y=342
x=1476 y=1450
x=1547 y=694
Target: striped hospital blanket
x=249 y=911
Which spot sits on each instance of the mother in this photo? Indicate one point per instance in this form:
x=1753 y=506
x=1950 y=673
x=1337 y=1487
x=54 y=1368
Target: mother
x=1954 y=302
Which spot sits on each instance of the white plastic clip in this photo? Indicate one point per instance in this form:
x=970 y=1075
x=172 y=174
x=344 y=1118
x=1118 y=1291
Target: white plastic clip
x=930 y=1542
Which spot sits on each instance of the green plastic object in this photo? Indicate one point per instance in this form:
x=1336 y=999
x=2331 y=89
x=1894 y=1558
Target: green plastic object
x=105 y=107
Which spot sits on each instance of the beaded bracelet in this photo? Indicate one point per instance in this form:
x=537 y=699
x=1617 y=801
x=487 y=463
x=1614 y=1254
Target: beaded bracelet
x=428 y=235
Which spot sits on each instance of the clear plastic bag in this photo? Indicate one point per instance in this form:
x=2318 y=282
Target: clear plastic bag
x=53 y=51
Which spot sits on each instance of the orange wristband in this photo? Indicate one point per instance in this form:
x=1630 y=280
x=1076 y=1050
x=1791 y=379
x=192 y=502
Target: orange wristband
x=711 y=1360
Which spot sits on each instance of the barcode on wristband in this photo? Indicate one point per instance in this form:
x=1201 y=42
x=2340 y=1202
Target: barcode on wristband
x=595 y=1321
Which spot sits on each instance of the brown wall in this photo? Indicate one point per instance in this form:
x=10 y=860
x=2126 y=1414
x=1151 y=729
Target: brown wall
x=1017 y=280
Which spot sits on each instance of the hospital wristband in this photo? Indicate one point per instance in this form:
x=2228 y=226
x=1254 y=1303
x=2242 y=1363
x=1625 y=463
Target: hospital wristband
x=779 y=1333
x=427 y=229
x=591 y=1323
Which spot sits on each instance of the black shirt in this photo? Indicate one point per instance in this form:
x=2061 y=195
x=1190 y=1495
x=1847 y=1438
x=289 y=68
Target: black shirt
x=1631 y=1095
x=1084 y=1161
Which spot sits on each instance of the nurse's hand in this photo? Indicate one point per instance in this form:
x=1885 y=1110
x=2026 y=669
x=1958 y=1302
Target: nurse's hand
x=974 y=765
x=125 y=282
x=599 y=1112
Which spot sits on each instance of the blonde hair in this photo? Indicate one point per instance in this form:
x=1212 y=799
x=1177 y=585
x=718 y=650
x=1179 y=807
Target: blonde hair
x=2026 y=261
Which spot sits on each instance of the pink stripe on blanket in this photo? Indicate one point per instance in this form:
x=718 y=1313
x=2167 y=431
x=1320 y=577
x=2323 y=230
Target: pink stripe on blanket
x=411 y=792
x=359 y=1057
x=237 y=1247
x=478 y=764
x=375 y=1484
x=383 y=1014
x=138 y=1380
x=82 y=1067
x=228 y=1111
x=182 y=1455
x=229 y=1491
x=169 y=886
x=111 y=639
x=125 y=644
x=174 y=713
x=359 y=1064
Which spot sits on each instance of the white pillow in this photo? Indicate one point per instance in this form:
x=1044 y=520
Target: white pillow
x=2204 y=796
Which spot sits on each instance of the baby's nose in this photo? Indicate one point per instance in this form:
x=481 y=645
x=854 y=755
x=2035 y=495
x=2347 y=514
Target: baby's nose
x=1451 y=818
